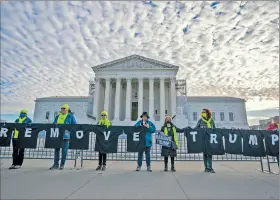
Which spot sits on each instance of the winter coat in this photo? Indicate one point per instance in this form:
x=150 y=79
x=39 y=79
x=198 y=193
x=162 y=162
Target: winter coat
x=149 y=132
x=25 y=120
x=203 y=124
x=170 y=131
x=70 y=119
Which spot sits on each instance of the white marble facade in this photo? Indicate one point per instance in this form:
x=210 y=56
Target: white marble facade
x=127 y=87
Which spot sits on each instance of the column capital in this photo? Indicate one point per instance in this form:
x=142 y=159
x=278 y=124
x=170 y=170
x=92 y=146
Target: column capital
x=107 y=79
x=97 y=78
x=162 y=78
x=140 y=78
x=129 y=79
x=151 y=78
x=173 y=79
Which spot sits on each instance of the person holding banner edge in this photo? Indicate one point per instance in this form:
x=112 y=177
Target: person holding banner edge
x=169 y=129
x=145 y=122
x=206 y=121
x=274 y=126
x=18 y=153
x=65 y=117
x=104 y=121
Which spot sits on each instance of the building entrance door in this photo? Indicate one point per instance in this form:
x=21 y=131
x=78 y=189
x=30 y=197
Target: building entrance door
x=134 y=111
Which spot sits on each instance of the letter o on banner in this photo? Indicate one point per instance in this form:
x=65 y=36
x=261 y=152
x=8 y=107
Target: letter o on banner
x=79 y=134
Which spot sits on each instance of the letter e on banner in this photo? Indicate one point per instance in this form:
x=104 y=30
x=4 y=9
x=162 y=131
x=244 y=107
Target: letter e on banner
x=79 y=134
x=28 y=131
x=213 y=138
x=3 y=132
x=253 y=140
x=274 y=139
x=136 y=137
x=193 y=133
x=107 y=135
x=54 y=132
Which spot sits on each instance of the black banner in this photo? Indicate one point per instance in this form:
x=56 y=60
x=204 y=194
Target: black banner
x=135 y=138
x=107 y=138
x=271 y=142
x=253 y=144
x=28 y=135
x=79 y=134
x=233 y=141
x=209 y=141
x=6 y=134
x=195 y=140
x=214 y=142
x=54 y=135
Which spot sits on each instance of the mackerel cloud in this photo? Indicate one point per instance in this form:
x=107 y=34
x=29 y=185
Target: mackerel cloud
x=222 y=48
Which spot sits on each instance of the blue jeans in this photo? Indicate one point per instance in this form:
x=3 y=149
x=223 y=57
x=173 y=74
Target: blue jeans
x=148 y=158
x=65 y=147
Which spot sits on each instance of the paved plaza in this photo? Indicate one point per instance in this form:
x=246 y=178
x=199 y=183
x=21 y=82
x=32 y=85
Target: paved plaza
x=232 y=180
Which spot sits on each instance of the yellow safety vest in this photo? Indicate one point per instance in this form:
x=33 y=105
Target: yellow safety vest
x=104 y=122
x=61 y=118
x=20 y=120
x=175 y=135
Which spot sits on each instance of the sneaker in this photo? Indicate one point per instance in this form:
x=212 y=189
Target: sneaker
x=212 y=171
x=149 y=169
x=54 y=167
x=12 y=167
x=61 y=167
x=98 y=167
x=138 y=168
x=206 y=170
x=173 y=169
x=103 y=168
x=165 y=168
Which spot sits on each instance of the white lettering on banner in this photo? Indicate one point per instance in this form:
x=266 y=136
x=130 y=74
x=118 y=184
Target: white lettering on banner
x=136 y=136
x=79 y=134
x=3 y=132
x=54 y=132
x=213 y=138
x=193 y=133
x=28 y=131
x=274 y=138
x=107 y=135
x=232 y=140
x=253 y=140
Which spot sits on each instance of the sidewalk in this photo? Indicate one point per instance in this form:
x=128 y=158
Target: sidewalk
x=232 y=180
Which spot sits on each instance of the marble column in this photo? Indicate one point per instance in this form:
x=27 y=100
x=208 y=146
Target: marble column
x=162 y=99
x=107 y=94
x=140 y=96
x=117 y=100
x=151 y=98
x=128 y=100
x=96 y=98
x=173 y=96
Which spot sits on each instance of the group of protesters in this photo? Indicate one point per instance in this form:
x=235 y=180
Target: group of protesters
x=169 y=129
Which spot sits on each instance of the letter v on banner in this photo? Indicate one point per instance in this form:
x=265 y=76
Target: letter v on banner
x=107 y=135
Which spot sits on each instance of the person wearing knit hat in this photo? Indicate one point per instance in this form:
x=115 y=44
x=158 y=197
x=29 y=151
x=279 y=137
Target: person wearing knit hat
x=145 y=122
x=18 y=153
x=206 y=121
x=64 y=117
x=104 y=121
x=169 y=129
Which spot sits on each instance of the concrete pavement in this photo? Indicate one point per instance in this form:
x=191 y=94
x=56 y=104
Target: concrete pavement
x=233 y=180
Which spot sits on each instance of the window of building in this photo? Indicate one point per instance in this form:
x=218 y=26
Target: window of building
x=222 y=116
x=213 y=116
x=166 y=112
x=156 y=111
x=194 y=116
x=47 y=115
x=231 y=116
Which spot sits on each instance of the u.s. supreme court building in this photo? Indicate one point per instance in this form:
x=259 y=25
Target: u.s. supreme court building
x=128 y=86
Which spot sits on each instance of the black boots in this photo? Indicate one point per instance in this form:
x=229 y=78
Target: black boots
x=166 y=164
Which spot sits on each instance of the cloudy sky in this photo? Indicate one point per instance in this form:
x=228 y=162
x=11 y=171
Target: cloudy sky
x=222 y=48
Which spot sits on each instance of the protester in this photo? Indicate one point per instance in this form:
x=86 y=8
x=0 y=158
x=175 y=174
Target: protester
x=65 y=117
x=274 y=126
x=18 y=153
x=148 y=137
x=104 y=121
x=206 y=121
x=169 y=129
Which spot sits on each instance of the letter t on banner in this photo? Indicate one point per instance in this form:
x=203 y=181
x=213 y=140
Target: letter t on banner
x=193 y=133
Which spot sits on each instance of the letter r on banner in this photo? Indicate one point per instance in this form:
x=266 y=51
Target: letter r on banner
x=3 y=132
x=253 y=140
x=274 y=139
x=54 y=132
x=213 y=138
x=79 y=134
x=136 y=136
x=28 y=132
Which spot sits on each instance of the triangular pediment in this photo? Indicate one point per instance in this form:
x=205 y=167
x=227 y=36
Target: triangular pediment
x=134 y=62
